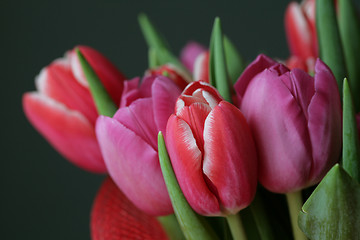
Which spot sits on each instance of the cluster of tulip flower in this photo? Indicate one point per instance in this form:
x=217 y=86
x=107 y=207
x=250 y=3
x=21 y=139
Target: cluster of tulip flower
x=189 y=141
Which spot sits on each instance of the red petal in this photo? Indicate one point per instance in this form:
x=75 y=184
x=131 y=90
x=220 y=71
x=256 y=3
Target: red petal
x=57 y=82
x=186 y=159
x=298 y=32
x=68 y=131
x=114 y=217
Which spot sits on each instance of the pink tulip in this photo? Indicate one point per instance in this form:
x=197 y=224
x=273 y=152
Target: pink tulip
x=212 y=152
x=62 y=108
x=189 y=54
x=295 y=120
x=128 y=141
x=201 y=67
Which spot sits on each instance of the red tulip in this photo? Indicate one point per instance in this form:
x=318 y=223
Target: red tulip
x=62 y=108
x=212 y=152
x=190 y=53
x=295 y=120
x=114 y=217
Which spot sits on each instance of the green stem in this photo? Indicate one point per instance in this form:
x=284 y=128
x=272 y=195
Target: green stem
x=295 y=203
x=236 y=227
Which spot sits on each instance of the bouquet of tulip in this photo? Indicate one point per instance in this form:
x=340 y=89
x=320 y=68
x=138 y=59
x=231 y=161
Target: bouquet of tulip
x=186 y=144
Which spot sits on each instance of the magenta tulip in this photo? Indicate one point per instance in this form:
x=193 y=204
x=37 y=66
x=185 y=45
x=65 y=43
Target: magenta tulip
x=212 y=152
x=128 y=141
x=62 y=108
x=296 y=122
x=190 y=53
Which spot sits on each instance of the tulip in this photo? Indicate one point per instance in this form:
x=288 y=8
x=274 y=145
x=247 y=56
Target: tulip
x=114 y=217
x=190 y=53
x=62 y=108
x=212 y=152
x=201 y=67
x=296 y=122
x=128 y=141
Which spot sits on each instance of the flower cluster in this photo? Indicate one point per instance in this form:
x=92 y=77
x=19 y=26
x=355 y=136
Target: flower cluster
x=226 y=127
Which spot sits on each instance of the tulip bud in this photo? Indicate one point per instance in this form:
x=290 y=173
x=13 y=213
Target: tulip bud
x=296 y=122
x=212 y=152
x=190 y=53
x=128 y=141
x=62 y=108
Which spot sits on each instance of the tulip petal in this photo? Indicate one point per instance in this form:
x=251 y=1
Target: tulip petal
x=261 y=63
x=139 y=118
x=186 y=159
x=164 y=95
x=298 y=32
x=110 y=76
x=201 y=67
x=324 y=122
x=68 y=131
x=235 y=189
x=57 y=81
x=190 y=53
x=114 y=217
x=134 y=166
x=285 y=135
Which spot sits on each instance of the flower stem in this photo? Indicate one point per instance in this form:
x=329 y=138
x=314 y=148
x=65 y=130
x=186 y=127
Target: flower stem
x=171 y=227
x=236 y=227
x=295 y=203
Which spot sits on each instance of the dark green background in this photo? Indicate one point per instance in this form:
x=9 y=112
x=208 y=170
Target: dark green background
x=42 y=195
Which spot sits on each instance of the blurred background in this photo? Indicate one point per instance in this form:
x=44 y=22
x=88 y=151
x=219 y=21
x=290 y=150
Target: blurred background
x=43 y=196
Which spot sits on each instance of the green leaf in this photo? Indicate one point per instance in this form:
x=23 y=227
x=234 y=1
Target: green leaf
x=218 y=74
x=234 y=61
x=333 y=209
x=193 y=225
x=351 y=150
x=349 y=27
x=104 y=104
x=159 y=49
x=329 y=42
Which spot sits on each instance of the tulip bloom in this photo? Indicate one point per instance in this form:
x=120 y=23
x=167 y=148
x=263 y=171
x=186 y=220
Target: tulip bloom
x=62 y=108
x=128 y=141
x=296 y=122
x=212 y=152
x=190 y=53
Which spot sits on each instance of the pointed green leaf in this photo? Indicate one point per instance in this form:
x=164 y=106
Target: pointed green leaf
x=218 y=74
x=351 y=150
x=159 y=52
x=192 y=224
x=333 y=209
x=234 y=61
x=104 y=104
x=329 y=42
x=349 y=26
x=153 y=37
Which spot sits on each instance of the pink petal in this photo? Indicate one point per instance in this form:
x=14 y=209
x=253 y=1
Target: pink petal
x=189 y=53
x=164 y=95
x=325 y=121
x=57 y=82
x=261 y=63
x=201 y=67
x=186 y=159
x=110 y=76
x=298 y=32
x=230 y=161
x=130 y=92
x=280 y=132
x=134 y=166
x=68 y=131
x=114 y=217
x=139 y=118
